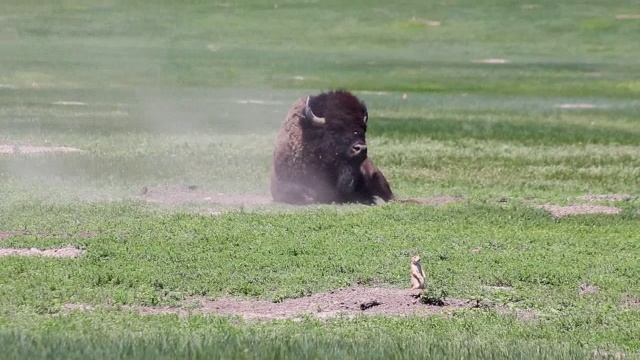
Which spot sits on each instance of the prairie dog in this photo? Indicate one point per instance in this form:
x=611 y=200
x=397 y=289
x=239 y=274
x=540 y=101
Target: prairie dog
x=417 y=274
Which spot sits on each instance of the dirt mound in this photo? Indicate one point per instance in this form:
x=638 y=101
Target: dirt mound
x=605 y=197
x=173 y=196
x=347 y=302
x=560 y=211
x=67 y=252
x=28 y=149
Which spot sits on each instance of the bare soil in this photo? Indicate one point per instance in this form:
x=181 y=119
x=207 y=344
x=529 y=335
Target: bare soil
x=560 y=211
x=598 y=354
x=628 y=16
x=71 y=103
x=424 y=22
x=586 y=289
x=79 y=235
x=180 y=195
x=631 y=301
x=66 y=252
x=346 y=302
x=29 y=149
x=493 y=61
x=8 y=234
x=577 y=106
x=606 y=197
x=434 y=200
x=175 y=195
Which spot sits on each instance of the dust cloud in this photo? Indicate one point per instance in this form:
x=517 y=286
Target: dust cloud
x=114 y=166
x=215 y=111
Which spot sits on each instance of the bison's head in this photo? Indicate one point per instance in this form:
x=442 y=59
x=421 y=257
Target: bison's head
x=343 y=120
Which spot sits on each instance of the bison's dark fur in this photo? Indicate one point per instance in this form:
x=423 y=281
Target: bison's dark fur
x=320 y=154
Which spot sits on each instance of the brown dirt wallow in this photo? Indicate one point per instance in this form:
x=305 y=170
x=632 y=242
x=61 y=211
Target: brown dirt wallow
x=179 y=195
x=66 y=252
x=560 y=211
x=348 y=302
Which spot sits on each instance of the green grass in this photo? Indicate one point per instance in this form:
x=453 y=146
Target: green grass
x=309 y=342
x=181 y=93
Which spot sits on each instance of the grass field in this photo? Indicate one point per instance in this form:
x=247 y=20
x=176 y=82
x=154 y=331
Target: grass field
x=502 y=106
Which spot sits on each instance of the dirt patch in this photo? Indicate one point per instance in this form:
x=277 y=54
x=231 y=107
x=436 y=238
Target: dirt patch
x=347 y=302
x=67 y=252
x=370 y=92
x=28 y=149
x=8 y=234
x=258 y=102
x=628 y=16
x=606 y=197
x=69 y=103
x=172 y=196
x=434 y=200
x=586 y=289
x=181 y=195
x=214 y=47
x=424 y=22
x=560 y=211
x=79 y=235
x=77 y=307
x=579 y=106
x=493 y=61
x=631 y=301
x=608 y=355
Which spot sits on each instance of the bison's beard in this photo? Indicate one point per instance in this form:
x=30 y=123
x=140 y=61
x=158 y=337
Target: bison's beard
x=351 y=183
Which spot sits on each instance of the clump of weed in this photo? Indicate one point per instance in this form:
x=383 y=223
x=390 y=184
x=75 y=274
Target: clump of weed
x=434 y=294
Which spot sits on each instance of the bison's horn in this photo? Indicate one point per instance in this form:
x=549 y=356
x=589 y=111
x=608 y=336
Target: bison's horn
x=309 y=114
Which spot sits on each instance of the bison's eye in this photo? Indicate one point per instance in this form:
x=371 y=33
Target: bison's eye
x=355 y=133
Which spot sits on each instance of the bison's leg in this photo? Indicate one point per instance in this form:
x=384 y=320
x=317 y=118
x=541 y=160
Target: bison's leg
x=379 y=187
x=375 y=182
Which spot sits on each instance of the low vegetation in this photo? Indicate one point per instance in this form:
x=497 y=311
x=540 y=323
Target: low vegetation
x=174 y=107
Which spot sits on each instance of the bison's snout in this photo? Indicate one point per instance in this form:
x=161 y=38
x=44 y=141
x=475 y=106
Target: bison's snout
x=358 y=150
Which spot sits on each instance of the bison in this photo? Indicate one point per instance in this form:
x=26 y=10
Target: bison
x=320 y=154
